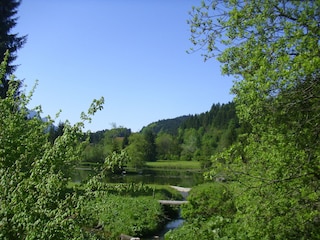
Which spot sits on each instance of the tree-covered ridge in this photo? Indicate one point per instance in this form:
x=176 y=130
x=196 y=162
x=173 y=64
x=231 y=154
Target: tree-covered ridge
x=117 y=132
x=219 y=116
x=169 y=126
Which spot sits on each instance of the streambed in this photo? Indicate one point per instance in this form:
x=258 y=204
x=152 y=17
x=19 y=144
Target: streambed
x=175 y=223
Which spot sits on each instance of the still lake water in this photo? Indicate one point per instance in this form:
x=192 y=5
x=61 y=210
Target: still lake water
x=183 y=178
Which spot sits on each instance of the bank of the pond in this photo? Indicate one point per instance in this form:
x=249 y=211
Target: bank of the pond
x=180 y=173
x=177 y=165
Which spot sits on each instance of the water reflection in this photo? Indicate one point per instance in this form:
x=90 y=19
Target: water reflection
x=165 y=177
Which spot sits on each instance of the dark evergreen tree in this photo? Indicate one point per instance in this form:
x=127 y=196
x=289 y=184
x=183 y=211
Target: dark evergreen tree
x=97 y=137
x=219 y=116
x=9 y=41
x=170 y=126
x=150 y=148
x=125 y=141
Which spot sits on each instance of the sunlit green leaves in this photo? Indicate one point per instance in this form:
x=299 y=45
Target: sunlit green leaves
x=272 y=50
x=35 y=202
x=134 y=216
x=209 y=210
x=115 y=162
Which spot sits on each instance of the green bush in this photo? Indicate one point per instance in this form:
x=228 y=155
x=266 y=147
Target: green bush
x=212 y=228
x=207 y=200
x=208 y=214
x=134 y=216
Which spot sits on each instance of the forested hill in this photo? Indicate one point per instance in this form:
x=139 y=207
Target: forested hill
x=169 y=126
x=219 y=116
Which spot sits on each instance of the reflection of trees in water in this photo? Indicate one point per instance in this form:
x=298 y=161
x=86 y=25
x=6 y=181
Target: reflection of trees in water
x=180 y=178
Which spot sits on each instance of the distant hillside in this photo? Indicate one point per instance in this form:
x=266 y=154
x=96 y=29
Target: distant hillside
x=218 y=116
x=170 y=126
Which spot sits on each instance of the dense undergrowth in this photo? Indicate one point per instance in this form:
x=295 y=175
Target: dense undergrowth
x=135 y=216
x=132 y=209
x=210 y=208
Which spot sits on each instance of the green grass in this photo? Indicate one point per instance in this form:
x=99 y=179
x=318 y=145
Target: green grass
x=183 y=165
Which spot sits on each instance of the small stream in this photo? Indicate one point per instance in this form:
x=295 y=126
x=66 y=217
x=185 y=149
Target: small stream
x=170 y=225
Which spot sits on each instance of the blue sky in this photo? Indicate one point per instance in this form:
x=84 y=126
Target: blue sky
x=133 y=53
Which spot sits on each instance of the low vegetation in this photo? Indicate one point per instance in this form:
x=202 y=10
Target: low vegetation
x=174 y=165
x=210 y=207
x=113 y=211
x=109 y=208
x=116 y=214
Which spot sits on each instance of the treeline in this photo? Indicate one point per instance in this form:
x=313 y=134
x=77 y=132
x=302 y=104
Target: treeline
x=219 y=116
x=193 y=138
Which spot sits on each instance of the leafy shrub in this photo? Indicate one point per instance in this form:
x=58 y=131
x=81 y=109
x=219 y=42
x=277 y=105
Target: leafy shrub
x=35 y=201
x=115 y=162
x=212 y=228
x=135 y=216
x=207 y=200
x=208 y=214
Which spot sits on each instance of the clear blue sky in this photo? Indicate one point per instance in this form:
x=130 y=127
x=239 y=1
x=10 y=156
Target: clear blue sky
x=133 y=53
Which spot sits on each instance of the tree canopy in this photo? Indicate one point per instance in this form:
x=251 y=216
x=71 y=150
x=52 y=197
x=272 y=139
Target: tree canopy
x=272 y=50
